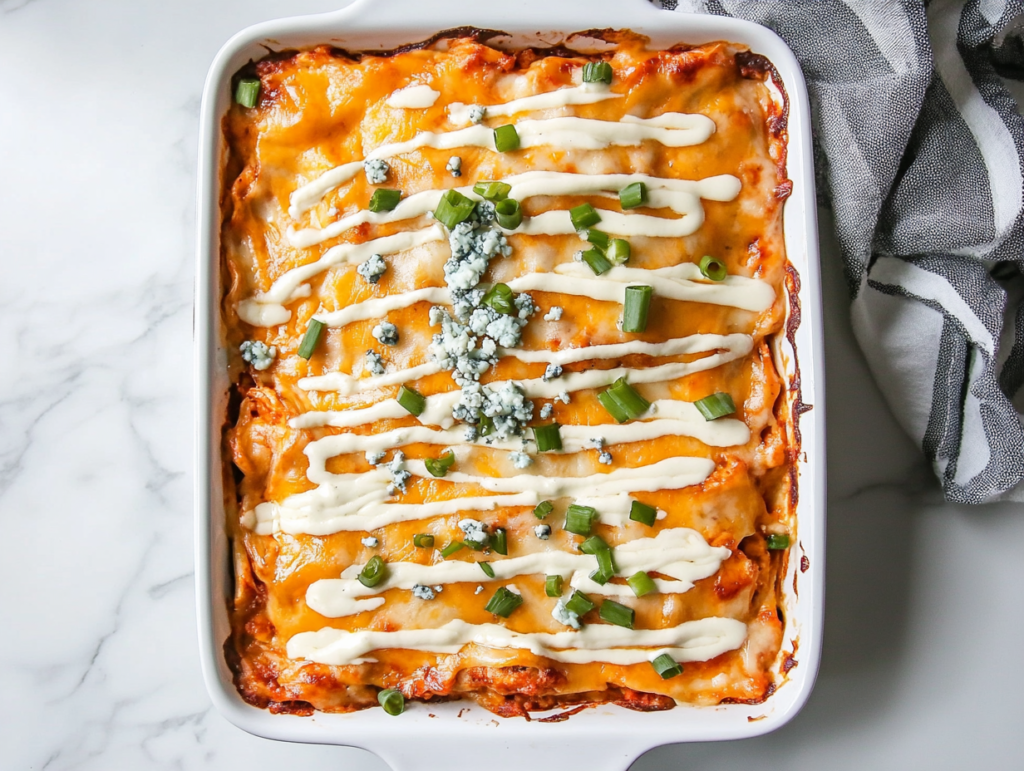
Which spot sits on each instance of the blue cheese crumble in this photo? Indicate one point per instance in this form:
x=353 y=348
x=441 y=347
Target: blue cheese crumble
x=554 y=314
x=545 y=411
x=370 y=542
x=520 y=459
x=475 y=532
x=525 y=306
x=563 y=397
x=376 y=171
x=454 y=166
x=372 y=268
x=385 y=333
x=423 y=592
x=374 y=363
x=543 y=532
x=399 y=476
x=260 y=355
x=563 y=615
x=504 y=403
x=476 y=113
x=552 y=371
x=605 y=458
x=374 y=458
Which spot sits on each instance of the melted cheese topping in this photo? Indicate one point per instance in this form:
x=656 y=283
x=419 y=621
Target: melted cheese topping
x=336 y=471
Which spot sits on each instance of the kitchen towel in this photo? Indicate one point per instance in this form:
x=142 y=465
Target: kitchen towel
x=918 y=152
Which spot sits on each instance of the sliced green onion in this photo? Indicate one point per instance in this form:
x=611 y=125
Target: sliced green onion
x=503 y=602
x=641 y=583
x=778 y=541
x=597 y=72
x=488 y=570
x=492 y=191
x=506 y=138
x=543 y=509
x=247 y=92
x=508 y=213
x=413 y=401
x=373 y=572
x=618 y=614
x=453 y=208
x=715 y=406
x=713 y=268
x=618 y=251
x=451 y=548
x=635 y=308
x=594 y=544
x=553 y=586
x=485 y=426
x=423 y=541
x=384 y=200
x=666 y=666
x=499 y=541
x=548 y=437
x=597 y=261
x=579 y=604
x=633 y=195
x=392 y=701
x=476 y=545
x=612 y=407
x=632 y=403
x=579 y=519
x=311 y=338
x=642 y=513
x=605 y=567
x=438 y=467
x=583 y=216
x=500 y=298
x=598 y=238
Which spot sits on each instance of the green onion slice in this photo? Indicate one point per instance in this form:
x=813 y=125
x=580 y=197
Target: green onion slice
x=594 y=544
x=597 y=261
x=778 y=541
x=623 y=402
x=633 y=195
x=605 y=567
x=583 y=216
x=451 y=548
x=618 y=614
x=598 y=238
x=247 y=92
x=492 y=191
x=636 y=307
x=612 y=407
x=506 y=138
x=579 y=519
x=553 y=586
x=423 y=541
x=373 y=572
x=712 y=268
x=597 y=72
x=438 y=467
x=485 y=425
x=392 y=701
x=311 y=338
x=488 y=570
x=666 y=666
x=503 y=602
x=413 y=401
x=642 y=513
x=453 y=208
x=500 y=298
x=543 y=509
x=641 y=583
x=499 y=541
x=548 y=437
x=508 y=213
x=384 y=200
x=715 y=406
x=579 y=604
x=618 y=251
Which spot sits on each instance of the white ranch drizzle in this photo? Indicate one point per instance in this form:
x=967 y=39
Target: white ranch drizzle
x=698 y=640
x=677 y=552
x=414 y=97
x=306 y=197
x=379 y=307
x=586 y=93
x=732 y=346
x=269 y=305
x=680 y=195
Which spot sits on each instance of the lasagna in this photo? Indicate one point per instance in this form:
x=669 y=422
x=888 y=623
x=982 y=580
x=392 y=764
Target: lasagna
x=507 y=421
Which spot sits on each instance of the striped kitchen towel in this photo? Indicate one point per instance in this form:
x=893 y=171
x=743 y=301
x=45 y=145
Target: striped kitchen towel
x=918 y=150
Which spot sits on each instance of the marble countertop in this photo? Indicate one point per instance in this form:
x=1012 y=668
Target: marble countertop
x=98 y=136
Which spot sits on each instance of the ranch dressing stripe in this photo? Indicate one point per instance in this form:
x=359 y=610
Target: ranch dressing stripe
x=697 y=640
x=587 y=93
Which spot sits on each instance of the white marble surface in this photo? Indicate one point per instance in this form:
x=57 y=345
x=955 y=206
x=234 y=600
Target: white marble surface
x=98 y=123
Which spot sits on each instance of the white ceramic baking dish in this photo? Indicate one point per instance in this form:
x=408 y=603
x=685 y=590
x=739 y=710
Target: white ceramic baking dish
x=606 y=737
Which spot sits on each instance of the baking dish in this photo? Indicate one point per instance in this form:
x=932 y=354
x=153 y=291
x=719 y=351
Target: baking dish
x=606 y=736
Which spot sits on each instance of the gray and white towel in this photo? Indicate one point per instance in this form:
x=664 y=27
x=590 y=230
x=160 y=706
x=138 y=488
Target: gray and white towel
x=919 y=151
